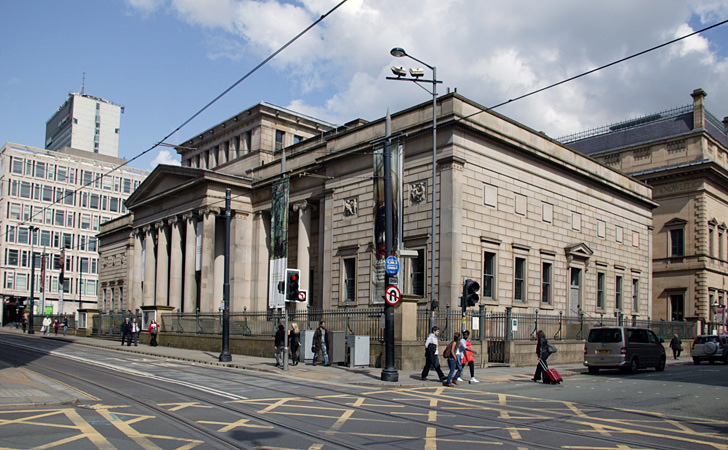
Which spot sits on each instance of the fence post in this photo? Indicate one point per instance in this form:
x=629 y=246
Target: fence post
x=481 y=322
x=561 y=324
x=508 y=323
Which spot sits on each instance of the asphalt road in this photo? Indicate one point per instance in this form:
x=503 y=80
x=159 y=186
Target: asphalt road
x=130 y=401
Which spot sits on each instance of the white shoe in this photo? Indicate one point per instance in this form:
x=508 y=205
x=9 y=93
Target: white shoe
x=473 y=380
x=461 y=380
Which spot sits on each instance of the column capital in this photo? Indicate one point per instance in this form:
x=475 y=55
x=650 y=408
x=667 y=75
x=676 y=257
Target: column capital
x=301 y=206
x=173 y=220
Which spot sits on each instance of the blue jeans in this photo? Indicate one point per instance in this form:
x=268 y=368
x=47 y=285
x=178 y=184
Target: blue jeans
x=455 y=367
x=325 y=354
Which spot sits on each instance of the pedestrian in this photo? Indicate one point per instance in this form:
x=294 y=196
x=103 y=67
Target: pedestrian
x=676 y=346
x=24 y=322
x=153 y=331
x=294 y=342
x=280 y=340
x=125 y=330
x=321 y=343
x=56 y=324
x=453 y=360
x=134 y=333
x=65 y=325
x=466 y=348
x=46 y=325
x=542 y=350
x=432 y=359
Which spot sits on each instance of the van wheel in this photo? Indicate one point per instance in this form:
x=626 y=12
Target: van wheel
x=696 y=361
x=593 y=370
x=633 y=366
x=660 y=365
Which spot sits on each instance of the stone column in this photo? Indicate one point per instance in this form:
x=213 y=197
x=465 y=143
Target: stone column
x=189 y=302
x=135 y=295
x=162 y=284
x=450 y=233
x=261 y=224
x=303 y=251
x=241 y=261
x=207 y=277
x=326 y=236
x=233 y=144
x=175 y=263
x=149 y=266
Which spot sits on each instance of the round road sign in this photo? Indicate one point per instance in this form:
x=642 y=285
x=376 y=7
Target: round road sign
x=301 y=296
x=392 y=295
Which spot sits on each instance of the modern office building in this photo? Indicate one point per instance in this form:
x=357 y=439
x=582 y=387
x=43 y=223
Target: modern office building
x=87 y=123
x=53 y=203
x=682 y=153
x=540 y=225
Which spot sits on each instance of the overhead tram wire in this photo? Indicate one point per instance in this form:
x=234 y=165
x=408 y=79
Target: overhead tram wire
x=191 y=118
x=595 y=69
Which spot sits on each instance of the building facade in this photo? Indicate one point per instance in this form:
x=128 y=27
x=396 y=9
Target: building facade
x=86 y=123
x=541 y=226
x=53 y=203
x=683 y=155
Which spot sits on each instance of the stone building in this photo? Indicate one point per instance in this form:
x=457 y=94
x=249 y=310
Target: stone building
x=682 y=154
x=540 y=225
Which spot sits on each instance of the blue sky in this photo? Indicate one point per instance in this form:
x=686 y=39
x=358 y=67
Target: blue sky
x=165 y=59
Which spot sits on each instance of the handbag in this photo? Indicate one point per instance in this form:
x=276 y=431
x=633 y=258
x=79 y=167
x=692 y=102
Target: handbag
x=552 y=349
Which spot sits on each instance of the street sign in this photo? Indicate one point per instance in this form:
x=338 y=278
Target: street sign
x=391 y=265
x=301 y=296
x=392 y=295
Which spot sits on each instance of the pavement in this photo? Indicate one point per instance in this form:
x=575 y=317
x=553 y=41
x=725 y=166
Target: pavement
x=20 y=386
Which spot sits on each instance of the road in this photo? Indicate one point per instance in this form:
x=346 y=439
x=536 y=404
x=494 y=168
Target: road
x=129 y=401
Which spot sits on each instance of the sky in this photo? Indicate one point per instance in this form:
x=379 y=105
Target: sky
x=164 y=60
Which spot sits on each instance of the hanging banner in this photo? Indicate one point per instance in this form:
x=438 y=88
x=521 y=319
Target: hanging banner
x=379 y=258
x=278 y=244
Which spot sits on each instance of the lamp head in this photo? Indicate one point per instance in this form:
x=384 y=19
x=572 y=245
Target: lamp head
x=398 y=52
x=418 y=72
x=399 y=71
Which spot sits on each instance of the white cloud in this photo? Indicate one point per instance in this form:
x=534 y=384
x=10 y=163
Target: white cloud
x=491 y=52
x=165 y=157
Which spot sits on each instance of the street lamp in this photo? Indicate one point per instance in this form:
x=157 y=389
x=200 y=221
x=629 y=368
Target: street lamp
x=31 y=229
x=417 y=75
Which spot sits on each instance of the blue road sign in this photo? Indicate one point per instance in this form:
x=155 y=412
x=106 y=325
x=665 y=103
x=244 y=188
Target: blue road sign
x=391 y=265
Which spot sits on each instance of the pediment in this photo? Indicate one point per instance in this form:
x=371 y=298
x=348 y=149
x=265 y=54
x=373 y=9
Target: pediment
x=164 y=178
x=579 y=251
x=676 y=222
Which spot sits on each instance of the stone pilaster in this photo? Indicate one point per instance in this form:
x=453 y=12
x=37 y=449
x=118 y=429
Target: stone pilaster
x=175 y=263
x=162 y=283
x=189 y=293
x=303 y=250
x=149 y=267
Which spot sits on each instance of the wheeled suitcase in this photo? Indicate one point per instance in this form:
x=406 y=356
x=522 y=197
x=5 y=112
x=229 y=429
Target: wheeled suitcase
x=550 y=374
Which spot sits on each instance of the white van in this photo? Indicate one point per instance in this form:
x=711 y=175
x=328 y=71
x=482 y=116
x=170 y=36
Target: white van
x=626 y=348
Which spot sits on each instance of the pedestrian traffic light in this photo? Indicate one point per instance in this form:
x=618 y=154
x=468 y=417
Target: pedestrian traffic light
x=292 y=278
x=470 y=293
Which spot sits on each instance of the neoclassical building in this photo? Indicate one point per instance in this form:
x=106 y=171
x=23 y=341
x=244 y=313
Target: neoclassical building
x=541 y=226
x=682 y=154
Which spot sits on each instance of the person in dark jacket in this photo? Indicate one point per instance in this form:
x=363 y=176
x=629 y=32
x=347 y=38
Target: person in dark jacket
x=125 y=330
x=279 y=343
x=432 y=360
x=321 y=343
x=542 y=350
x=676 y=346
x=294 y=341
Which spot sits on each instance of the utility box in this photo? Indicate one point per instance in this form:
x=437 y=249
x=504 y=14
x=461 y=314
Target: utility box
x=305 y=352
x=337 y=347
x=358 y=350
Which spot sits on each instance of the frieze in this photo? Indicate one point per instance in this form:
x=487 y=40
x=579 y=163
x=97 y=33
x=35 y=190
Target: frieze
x=685 y=186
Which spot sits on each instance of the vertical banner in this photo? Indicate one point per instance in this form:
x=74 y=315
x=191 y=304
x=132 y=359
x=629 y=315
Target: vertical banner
x=61 y=279
x=278 y=244
x=41 y=285
x=379 y=258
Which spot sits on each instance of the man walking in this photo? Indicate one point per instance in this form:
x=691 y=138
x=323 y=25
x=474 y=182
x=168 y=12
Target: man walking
x=134 y=332
x=321 y=343
x=125 y=330
x=279 y=343
x=65 y=325
x=432 y=360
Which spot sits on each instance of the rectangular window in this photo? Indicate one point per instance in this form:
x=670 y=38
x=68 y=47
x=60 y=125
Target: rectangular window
x=11 y=257
x=21 y=281
x=60 y=217
x=720 y=245
x=9 y=280
x=113 y=204
x=618 y=292
x=88 y=178
x=69 y=197
x=489 y=275
x=711 y=244
x=85 y=221
x=126 y=186
x=91 y=287
x=91 y=244
x=67 y=240
x=635 y=294
x=83 y=265
x=676 y=243
x=94 y=201
x=45 y=238
x=23 y=235
x=349 y=279
x=40 y=171
x=600 y=290
x=25 y=189
x=10 y=234
x=61 y=174
x=108 y=183
x=82 y=243
x=18 y=165
x=546 y=283
x=418 y=274
x=280 y=135
x=677 y=307
x=14 y=211
x=71 y=175
x=47 y=193
x=13 y=188
x=519 y=281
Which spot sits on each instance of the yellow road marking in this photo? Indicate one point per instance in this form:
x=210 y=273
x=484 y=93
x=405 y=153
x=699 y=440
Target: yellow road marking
x=85 y=394
x=180 y=406
x=232 y=425
x=89 y=432
x=341 y=421
x=431 y=439
x=123 y=426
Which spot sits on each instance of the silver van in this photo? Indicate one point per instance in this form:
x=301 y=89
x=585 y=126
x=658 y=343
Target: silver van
x=626 y=348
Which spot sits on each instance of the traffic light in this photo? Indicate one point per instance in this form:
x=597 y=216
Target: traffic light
x=292 y=278
x=470 y=293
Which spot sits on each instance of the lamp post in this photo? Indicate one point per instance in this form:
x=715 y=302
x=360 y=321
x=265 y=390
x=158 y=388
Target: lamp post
x=416 y=78
x=31 y=229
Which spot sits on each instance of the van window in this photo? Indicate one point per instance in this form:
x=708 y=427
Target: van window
x=638 y=336
x=605 y=335
x=653 y=339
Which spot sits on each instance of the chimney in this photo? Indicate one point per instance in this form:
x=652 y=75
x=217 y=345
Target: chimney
x=698 y=108
x=725 y=124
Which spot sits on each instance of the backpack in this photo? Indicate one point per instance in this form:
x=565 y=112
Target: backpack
x=448 y=351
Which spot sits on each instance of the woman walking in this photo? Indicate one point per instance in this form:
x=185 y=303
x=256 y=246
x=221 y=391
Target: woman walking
x=466 y=347
x=676 y=346
x=453 y=362
x=294 y=342
x=153 y=331
x=542 y=350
